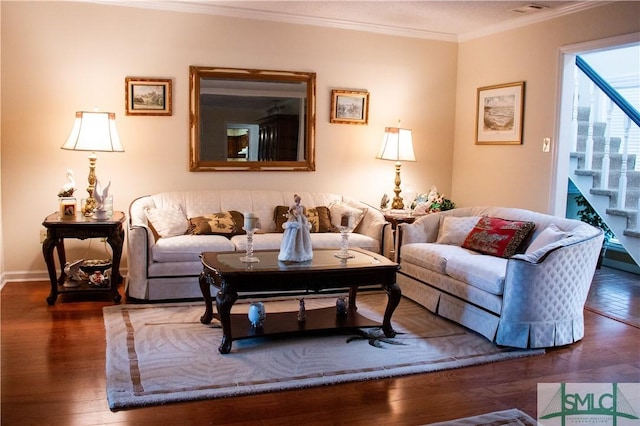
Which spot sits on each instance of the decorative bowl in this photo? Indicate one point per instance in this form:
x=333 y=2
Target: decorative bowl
x=95 y=265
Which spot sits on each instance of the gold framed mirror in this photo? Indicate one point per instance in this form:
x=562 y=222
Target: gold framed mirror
x=251 y=120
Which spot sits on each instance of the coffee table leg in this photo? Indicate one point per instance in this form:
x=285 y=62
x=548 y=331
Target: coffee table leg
x=206 y=281
x=394 y=294
x=224 y=301
x=353 y=291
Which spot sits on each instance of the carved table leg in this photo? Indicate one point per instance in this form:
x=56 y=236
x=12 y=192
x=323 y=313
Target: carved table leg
x=225 y=299
x=394 y=295
x=47 y=251
x=205 y=288
x=116 y=240
x=353 y=290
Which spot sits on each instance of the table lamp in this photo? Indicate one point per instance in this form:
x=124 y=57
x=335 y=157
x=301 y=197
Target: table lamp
x=397 y=146
x=93 y=131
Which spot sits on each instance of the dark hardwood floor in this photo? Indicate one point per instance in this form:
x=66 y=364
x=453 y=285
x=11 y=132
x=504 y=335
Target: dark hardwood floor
x=53 y=372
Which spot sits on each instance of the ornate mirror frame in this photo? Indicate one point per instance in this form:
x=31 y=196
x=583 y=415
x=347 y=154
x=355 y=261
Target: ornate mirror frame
x=214 y=86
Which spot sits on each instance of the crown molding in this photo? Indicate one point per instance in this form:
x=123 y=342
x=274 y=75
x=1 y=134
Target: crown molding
x=207 y=8
x=541 y=16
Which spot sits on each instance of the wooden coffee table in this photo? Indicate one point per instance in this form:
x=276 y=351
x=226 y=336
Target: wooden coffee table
x=268 y=278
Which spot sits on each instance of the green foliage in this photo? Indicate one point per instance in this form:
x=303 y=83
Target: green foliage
x=588 y=215
x=433 y=202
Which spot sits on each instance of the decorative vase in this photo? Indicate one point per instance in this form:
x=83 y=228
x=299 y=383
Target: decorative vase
x=257 y=314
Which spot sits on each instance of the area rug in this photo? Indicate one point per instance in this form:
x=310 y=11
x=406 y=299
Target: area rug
x=512 y=417
x=160 y=353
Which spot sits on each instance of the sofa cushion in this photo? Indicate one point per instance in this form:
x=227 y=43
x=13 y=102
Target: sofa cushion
x=430 y=255
x=498 y=237
x=454 y=230
x=167 y=221
x=227 y=223
x=319 y=218
x=184 y=248
x=481 y=271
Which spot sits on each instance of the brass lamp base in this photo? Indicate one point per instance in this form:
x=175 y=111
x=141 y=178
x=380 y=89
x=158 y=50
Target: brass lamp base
x=90 y=203
x=397 y=203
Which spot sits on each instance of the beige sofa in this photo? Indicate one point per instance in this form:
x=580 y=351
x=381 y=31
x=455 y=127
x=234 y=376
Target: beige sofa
x=533 y=298
x=164 y=260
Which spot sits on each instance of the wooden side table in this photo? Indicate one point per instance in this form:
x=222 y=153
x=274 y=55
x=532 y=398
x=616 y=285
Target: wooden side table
x=395 y=219
x=82 y=227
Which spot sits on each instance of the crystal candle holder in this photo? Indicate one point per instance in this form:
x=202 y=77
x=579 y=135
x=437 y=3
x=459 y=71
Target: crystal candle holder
x=249 y=257
x=344 y=243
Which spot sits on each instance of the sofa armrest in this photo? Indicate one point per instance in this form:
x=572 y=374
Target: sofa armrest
x=374 y=225
x=544 y=298
x=139 y=243
x=423 y=230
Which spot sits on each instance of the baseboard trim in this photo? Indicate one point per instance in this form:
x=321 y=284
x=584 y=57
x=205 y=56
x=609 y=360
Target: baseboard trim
x=30 y=276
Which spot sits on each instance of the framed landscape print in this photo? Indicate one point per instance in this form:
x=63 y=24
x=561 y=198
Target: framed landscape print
x=148 y=96
x=499 y=114
x=349 y=107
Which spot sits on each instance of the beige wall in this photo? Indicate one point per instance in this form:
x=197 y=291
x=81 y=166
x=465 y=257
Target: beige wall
x=58 y=58
x=521 y=175
x=62 y=57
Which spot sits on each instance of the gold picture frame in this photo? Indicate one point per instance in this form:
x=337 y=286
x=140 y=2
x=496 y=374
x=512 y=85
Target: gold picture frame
x=349 y=107
x=500 y=114
x=148 y=96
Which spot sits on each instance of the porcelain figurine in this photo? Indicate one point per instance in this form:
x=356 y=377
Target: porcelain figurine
x=73 y=272
x=302 y=313
x=100 y=195
x=257 y=314
x=341 y=306
x=296 y=240
x=68 y=188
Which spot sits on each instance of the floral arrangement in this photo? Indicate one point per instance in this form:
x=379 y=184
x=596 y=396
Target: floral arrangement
x=432 y=202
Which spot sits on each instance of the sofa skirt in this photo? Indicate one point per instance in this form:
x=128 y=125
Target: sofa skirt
x=450 y=307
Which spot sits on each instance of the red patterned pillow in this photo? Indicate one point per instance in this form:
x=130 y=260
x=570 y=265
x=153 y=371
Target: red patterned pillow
x=497 y=237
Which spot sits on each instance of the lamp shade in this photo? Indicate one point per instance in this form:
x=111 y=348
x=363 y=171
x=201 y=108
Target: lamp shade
x=94 y=131
x=397 y=145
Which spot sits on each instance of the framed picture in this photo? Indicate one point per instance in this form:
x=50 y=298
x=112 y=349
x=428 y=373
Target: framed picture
x=349 y=107
x=499 y=114
x=148 y=96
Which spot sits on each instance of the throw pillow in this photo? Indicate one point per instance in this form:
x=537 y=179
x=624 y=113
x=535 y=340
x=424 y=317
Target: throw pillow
x=280 y=217
x=497 y=237
x=549 y=235
x=319 y=218
x=345 y=215
x=167 y=221
x=453 y=230
x=226 y=223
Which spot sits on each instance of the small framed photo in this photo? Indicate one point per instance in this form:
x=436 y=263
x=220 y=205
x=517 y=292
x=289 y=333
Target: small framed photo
x=349 y=107
x=148 y=96
x=499 y=114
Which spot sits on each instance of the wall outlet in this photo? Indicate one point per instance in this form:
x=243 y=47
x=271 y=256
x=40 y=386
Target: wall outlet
x=43 y=235
x=546 y=144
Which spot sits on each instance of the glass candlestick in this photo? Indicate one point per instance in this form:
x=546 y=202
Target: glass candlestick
x=249 y=257
x=344 y=243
